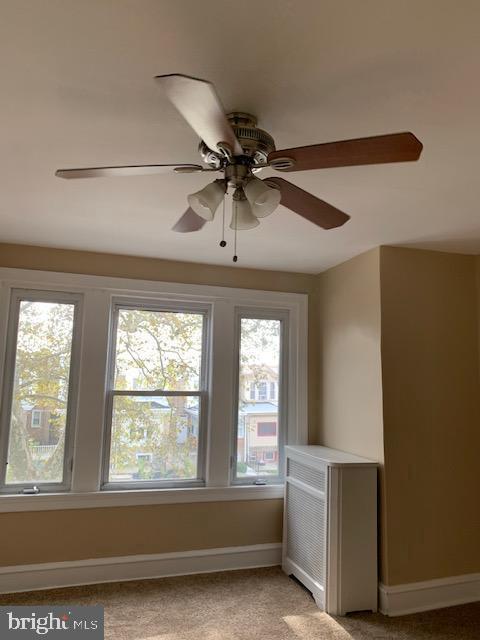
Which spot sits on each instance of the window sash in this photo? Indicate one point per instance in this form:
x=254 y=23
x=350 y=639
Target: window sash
x=202 y=394
x=17 y=296
x=282 y=315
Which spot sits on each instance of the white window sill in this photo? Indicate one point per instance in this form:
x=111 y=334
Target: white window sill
x=131 y=498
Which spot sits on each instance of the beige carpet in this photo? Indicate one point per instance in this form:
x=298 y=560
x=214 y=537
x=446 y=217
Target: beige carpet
x=258 y=604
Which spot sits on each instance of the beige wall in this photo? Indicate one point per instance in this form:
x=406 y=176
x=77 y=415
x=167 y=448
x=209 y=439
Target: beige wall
x=350 y=373
x=477 y=281
x=431 y=414
x=399 y=382
x=90 y=533
x=78 y=534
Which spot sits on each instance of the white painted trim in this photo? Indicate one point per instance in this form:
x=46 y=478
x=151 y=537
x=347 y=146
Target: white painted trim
x=133 y=497
x=50 y=575
x=402 y=599
x=119 y=286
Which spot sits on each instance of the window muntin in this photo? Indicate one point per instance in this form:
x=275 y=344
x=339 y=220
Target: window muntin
x=39 y=394
x=261 y=363
x=157 y=402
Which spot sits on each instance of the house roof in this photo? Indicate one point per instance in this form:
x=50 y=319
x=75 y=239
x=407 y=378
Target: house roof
x=250 y=408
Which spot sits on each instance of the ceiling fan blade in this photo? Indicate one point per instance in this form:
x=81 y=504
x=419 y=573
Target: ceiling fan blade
x=395 y=147
x=199 y=104
x=189 y=222
x=133 y=170
x=307 y=205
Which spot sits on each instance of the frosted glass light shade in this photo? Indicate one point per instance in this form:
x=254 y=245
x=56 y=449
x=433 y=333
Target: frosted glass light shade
x=262 y=198
x=242 y=216
x=205 y=202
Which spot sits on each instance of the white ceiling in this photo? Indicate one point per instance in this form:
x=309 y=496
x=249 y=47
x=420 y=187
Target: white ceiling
x=77 y=90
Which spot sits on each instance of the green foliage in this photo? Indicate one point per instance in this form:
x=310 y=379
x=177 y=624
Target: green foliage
x=242 y=467
x=42 y=370
x=154 y=350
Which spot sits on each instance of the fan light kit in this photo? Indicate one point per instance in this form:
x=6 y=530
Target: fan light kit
x=235 y=147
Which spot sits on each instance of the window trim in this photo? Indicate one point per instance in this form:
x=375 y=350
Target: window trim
x=97 y=292
x=284 y=396
x=202 y=393
x=18 y=295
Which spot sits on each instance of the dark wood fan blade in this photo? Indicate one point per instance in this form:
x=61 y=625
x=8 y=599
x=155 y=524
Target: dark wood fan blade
x=396 y=147
x=307 y=205
x=189 y=222
x=199 y=104
x=133 y=170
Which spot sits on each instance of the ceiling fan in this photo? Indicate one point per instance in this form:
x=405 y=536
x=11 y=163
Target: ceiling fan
x=232 y=145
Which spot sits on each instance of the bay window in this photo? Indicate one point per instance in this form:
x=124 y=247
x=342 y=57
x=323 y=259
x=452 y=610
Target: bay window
x=118 y=391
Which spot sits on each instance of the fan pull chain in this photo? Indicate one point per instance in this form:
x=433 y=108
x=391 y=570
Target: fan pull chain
x=223 y=242
x=235 y=257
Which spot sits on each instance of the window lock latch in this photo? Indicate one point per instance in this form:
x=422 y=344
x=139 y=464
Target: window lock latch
x=31 y=490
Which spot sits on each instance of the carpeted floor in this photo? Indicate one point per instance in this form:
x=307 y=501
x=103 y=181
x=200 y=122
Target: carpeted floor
x=257 y=604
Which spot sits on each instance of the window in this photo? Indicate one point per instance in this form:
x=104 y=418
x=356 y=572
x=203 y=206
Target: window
x=266 y=429
x=36 y=419
x=40 y=372
x=144 y=457
x=160 y=386
x=157 y=397
x=262 y=391
x=261 y=351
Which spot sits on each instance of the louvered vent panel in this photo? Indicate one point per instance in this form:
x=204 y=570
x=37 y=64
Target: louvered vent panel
x=306 y=532
x=313 y=477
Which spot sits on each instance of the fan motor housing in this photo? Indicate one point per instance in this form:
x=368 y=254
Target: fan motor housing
x=256 y=143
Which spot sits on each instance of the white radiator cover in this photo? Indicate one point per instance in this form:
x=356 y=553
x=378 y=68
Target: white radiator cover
x=330 y=527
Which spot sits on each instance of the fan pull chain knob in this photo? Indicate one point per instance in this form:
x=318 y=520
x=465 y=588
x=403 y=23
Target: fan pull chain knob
x=223 y=243
x=235 y=258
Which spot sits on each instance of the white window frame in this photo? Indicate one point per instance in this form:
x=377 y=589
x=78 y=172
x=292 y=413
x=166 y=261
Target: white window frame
x=202 y=393
x=285 y=396
x=11 y=323
x=97 y=293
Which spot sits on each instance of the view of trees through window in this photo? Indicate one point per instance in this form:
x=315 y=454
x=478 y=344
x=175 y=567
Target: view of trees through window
x=40 y=392
x=155 y=436
x=259 y=379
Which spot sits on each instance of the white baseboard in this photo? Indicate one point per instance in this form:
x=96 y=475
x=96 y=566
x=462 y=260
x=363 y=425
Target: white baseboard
x=49 y=575
x=402 y=599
